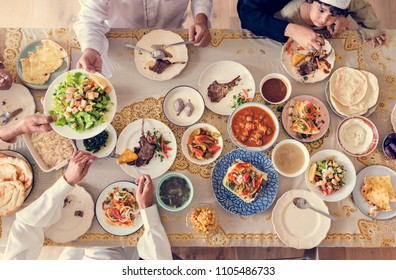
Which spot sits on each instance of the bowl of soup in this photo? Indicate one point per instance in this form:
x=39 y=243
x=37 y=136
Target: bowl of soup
x=290 y=158
x=275 y=88
x=174 y=191
x=253 y=126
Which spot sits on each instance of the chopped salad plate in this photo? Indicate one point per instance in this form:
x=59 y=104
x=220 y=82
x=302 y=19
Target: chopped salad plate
x=112 y=228
x=232 y=203
x=129 y=138
x=60 y=84
x=322 y=120
x=291 y=48
x=224 y=72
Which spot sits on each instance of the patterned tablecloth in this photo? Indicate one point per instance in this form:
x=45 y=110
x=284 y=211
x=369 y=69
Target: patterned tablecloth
x=140 y=97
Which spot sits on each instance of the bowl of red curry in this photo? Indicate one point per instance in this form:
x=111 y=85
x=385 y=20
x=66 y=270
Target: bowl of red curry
x=253 y=126
x=275 y=88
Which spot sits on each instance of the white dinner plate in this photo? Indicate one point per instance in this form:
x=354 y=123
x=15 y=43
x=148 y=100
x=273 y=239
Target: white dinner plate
x=350 y=175
x=224 y=72
x=323 y=121
x=18 y=96
x=184 y=143
x=316 y=76
x=110 y=228
x=179 y=54
x=393 y=118
x=31 y=47
x=300 y=228
x=71 y=226
x=129 y=138
x=373 y=170
x=66 y=130
x=105 y=151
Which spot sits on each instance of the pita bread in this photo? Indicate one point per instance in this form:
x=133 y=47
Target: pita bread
x=24 y=172
x=39 y=65
x=348 y=86
x=12 y=195
x=369 y=100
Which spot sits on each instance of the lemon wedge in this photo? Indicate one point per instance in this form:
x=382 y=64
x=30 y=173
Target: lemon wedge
x=311 y=172
x=99 y=80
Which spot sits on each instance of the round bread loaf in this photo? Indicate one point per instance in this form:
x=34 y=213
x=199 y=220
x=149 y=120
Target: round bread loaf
x=24 y=172
x=348 y=86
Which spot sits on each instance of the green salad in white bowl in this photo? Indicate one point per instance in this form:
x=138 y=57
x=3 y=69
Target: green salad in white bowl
x=83 y=103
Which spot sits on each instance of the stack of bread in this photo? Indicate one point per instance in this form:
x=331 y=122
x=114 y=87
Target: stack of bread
x=37 y=68
x=353 y=92
x=16 y=177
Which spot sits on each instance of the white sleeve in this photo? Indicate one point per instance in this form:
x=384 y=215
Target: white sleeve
x=27 y=232
x=154 y=243
x=201 y=7
x=91 y=26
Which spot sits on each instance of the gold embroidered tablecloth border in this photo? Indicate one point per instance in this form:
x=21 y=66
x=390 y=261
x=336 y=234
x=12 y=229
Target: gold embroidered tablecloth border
x=372 y=233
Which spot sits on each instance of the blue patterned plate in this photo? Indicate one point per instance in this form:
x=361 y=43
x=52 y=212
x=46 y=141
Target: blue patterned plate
x=230 y=201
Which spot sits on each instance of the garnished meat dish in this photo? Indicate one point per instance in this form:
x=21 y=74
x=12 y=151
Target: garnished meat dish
x=162 y=64
x=253 y=126
x=217 y=91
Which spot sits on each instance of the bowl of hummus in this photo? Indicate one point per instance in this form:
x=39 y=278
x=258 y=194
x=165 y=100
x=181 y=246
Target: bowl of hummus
x=357 y=136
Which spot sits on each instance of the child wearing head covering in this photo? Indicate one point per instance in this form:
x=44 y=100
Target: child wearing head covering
x=300 y=19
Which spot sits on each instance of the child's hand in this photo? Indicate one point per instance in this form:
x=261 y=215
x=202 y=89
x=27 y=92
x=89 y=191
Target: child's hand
x=340 y=25
x=305 y=36
x=377 y=41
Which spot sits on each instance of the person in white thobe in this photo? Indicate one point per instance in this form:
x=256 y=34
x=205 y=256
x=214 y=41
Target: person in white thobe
x=96 y=17
x=27 y=232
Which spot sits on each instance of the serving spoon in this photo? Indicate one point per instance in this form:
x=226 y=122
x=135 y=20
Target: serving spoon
x=157 y=54
x=302 y=203
x=163 y=46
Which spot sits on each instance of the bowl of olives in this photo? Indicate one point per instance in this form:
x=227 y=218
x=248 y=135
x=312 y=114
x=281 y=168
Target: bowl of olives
x=174 y=191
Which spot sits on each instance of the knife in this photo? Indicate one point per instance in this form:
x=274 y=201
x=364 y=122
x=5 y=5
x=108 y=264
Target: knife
x=16 y=112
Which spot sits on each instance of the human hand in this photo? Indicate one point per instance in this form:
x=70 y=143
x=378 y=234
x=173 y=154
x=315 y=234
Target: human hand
x=198 y=33
x=79 y=164
x=304 y=36
x=377 y=41
x=340 y=25
x=35 y=123
x=145 y=191
x=90 y=61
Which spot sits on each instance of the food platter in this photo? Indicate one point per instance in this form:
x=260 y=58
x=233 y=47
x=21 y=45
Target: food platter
x=322 y=121
x=350 y=177
x=179 y=53
x=316 y=76
x=66 y=130
x=230 y=201
x=110 y=144
x=129 y=138
x=185 y=138
x=373 y=170
x=99 y=212
x=300 y=228
x=71 y=226
x=18 y=96
x=31 y=47
x=225 y=72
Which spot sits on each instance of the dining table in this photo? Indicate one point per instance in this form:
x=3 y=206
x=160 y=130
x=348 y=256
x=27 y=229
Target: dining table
x=140 y=97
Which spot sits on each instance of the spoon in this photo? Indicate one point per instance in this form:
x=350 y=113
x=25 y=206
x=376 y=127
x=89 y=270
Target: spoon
x=163 y=46
x=157 y=54
x=302 y=203
x=6 y=116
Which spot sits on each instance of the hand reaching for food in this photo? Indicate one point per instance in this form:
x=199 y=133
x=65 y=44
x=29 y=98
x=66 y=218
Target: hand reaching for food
x=145 y=191
x=304 y=36
x=78 y=167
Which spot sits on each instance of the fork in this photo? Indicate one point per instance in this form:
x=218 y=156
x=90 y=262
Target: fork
x=163 y=46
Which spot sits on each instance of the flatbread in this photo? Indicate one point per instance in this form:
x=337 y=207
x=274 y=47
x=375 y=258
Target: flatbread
x=347 y=111
x=24 y=172
x=39 y=65
x=348 y=86
x=12 y=195
x=378 y=192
